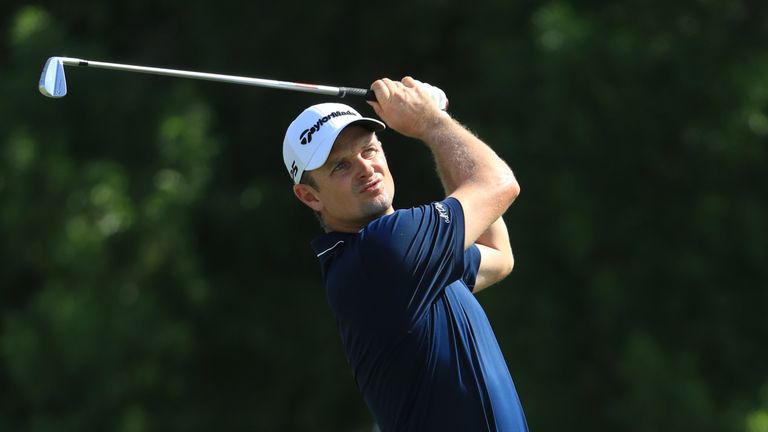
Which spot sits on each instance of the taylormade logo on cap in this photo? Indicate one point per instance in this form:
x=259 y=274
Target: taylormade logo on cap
x=310 y=137
x=306 y=135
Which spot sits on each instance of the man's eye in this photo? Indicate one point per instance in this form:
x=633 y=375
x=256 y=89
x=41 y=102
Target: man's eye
x=339 y=166
x=369 y=152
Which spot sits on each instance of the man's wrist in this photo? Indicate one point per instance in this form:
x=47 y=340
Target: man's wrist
x=435 y=127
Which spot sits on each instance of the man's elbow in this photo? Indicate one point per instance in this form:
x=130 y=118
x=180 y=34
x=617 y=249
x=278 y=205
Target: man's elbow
x=509 y=265
x=510 y=187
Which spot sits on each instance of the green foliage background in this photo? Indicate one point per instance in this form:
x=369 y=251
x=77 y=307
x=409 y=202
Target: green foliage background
x=155 y=273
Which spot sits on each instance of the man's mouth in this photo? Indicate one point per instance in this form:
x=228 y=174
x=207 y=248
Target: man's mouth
x=371 y=186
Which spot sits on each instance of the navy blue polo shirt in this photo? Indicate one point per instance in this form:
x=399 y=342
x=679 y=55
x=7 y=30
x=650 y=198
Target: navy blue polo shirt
x=420 y=346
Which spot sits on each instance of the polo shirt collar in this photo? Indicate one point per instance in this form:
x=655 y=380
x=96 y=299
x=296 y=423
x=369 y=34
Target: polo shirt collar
x=328 y=241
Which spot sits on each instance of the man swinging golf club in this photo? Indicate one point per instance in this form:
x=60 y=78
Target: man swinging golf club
x=400 y=283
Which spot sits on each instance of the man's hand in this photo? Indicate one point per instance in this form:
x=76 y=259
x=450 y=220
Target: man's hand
x=438 y=95
x=408 y=106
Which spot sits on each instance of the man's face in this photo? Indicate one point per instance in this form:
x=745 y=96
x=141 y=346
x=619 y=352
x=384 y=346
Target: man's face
x=354 y=186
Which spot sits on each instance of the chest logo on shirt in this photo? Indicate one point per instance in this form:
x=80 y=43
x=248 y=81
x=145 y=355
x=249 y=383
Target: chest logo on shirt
x=442 y=212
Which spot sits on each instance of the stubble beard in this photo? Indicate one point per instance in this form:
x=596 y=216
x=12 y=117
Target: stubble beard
x=376 y=208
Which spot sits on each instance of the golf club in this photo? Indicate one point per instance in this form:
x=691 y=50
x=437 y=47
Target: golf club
x=53 y=82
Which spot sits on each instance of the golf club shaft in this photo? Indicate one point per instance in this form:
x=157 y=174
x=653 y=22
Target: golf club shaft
x=258 y=82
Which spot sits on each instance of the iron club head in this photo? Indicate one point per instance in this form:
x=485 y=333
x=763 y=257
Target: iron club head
x=53 y=83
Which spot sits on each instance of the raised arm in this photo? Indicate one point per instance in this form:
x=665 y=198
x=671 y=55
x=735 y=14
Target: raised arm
x=469 y=169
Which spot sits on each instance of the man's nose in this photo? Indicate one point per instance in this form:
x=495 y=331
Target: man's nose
x=364 y=167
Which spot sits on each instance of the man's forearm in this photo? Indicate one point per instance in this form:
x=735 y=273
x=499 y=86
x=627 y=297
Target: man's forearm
x=462 y=157
x=496 y=236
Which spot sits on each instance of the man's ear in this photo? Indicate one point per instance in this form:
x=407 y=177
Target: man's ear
x=309 y=196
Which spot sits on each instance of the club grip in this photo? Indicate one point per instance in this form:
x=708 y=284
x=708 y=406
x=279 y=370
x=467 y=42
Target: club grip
x=364 y=93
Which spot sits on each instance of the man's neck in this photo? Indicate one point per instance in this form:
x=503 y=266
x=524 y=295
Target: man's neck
x=353 y=226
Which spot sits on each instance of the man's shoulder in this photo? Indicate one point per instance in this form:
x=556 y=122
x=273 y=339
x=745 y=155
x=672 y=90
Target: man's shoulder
x=404 y=217
x=392 y=232
x=410 y=220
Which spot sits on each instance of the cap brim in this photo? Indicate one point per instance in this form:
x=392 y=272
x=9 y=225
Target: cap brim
x=324 y=149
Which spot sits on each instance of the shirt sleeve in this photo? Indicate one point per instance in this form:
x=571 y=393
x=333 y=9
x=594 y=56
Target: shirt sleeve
x=411 y=255
x=472 y=259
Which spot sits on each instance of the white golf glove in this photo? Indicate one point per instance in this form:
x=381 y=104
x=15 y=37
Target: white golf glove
x=437 y=95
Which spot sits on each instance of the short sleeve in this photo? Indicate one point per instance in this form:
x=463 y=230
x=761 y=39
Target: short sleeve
x=415 y=253
x=472 y=259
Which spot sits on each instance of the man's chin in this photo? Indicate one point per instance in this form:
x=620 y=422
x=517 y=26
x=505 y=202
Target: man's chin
x=377 y=207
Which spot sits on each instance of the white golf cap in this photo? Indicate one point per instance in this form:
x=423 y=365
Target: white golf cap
x=309 y=138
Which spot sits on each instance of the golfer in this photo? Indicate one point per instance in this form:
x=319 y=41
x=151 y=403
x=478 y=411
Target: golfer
x=400 y=283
